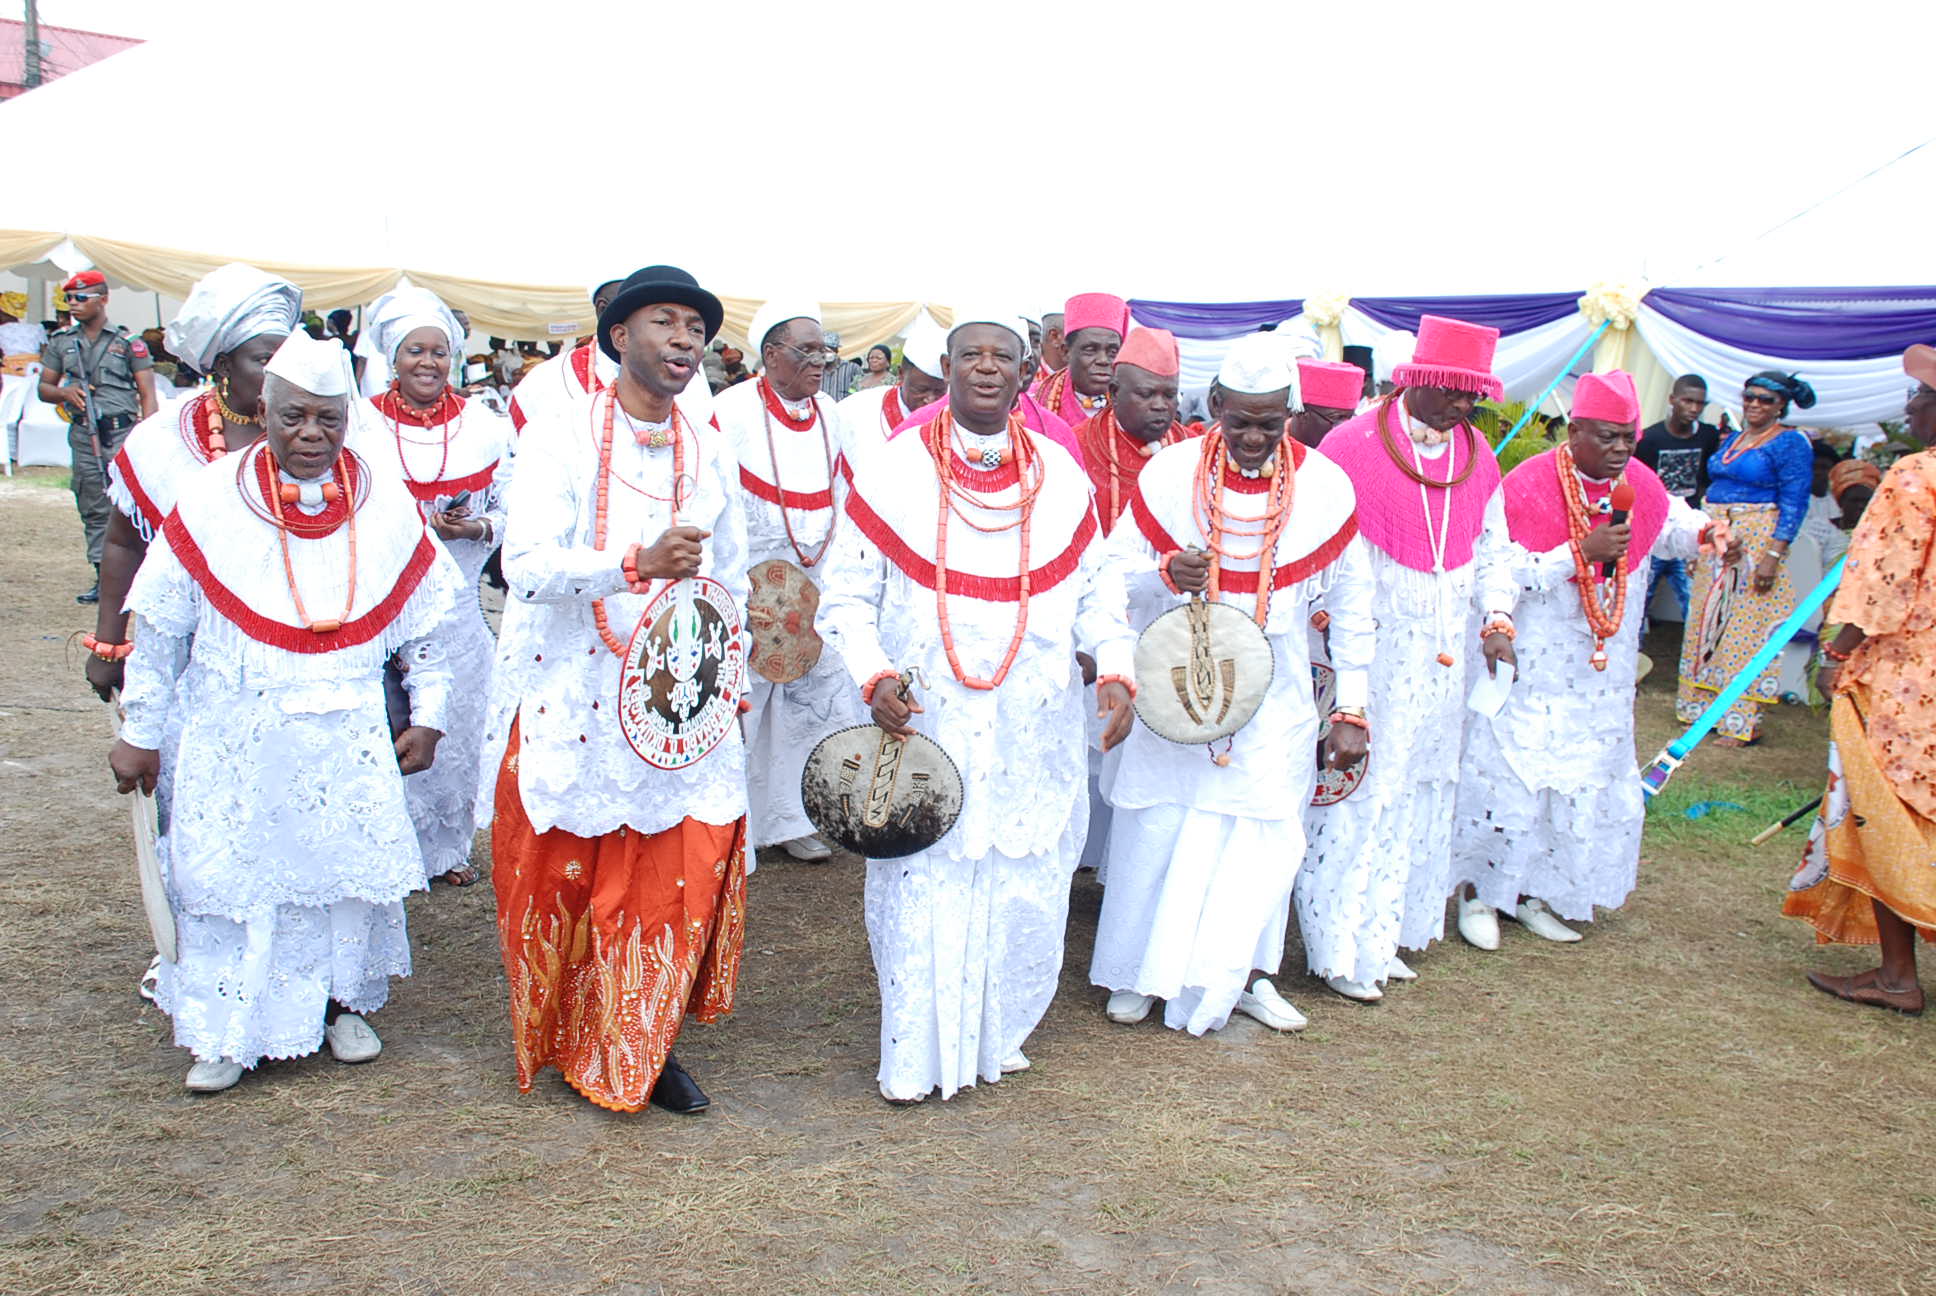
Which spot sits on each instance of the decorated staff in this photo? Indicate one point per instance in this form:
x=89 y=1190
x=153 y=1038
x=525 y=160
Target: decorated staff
x=1251 y=527
x=286 y=575
x=1866 y=878
x=1549 y=815
x=451 y=453
x=619 y=775
x=970 y=553
x=1380 y=863
x=788 y=441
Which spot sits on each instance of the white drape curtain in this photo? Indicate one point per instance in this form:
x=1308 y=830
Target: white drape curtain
x=1848 y=392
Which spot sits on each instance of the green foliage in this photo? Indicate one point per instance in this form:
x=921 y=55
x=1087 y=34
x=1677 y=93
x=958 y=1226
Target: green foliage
x=1494 y=419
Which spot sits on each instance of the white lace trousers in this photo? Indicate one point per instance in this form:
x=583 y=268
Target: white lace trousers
x=784 y=725
x=968 y=953
x=1376 y=875
x=242 y=992
x=1195 y=901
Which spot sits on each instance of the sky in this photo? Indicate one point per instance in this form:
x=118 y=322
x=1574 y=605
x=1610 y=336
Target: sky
x=1215 y=151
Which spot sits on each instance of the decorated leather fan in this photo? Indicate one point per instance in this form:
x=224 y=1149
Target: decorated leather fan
x=683 y=675
x=879 y=796
x=1333 y=785
x=779 y=620
x=1202 y=669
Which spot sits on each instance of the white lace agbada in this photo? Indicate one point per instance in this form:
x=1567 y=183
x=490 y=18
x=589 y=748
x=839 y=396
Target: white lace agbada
x=967 y=935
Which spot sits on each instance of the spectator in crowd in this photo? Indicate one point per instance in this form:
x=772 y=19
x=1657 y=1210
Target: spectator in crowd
x=841 y=375
x=880 y=368
x=20 y=342
x=1677 y=448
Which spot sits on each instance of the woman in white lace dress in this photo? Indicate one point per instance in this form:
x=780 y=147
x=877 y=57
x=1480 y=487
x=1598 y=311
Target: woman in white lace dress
x=448 y=450
x=284 y=578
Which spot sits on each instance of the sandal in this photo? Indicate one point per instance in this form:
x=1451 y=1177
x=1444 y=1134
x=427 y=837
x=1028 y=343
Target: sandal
x=457 y=877
x=1864 y=988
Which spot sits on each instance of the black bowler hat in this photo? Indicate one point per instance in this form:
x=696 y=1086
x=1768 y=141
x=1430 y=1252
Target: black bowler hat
x=659 y=283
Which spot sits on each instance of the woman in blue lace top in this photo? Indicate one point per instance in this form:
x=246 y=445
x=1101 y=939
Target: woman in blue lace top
x=1760 y=483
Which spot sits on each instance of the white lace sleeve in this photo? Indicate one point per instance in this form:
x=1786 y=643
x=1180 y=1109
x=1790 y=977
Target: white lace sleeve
x=1681 y=536
x=165 y=597
x=1102 y=612
x=1353 y=629
x=850 y=603
x=543 y=561
x=1508 y=569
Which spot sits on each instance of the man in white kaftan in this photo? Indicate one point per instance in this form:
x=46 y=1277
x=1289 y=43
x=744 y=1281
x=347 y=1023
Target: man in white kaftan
x=1205 y=844
x=869 y=416
x=967 y=934
x=787 y=437
x=1550 y=807
x=291 y=847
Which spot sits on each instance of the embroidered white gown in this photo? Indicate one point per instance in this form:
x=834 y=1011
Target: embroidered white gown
x=1202 y=857
x=1379 y=864
x=967 y=935
x=787 y=720
x=1549 y=801
x=443 y=798
x=291 y=847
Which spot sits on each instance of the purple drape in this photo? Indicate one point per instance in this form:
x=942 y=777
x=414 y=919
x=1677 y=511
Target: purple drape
x=1805 y=323
x=1213 y=319
x=1509 y=314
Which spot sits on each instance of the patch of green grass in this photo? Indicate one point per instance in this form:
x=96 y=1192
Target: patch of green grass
x=1762 y=804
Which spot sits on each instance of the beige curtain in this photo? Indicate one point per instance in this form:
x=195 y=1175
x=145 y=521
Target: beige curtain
x=18 y=247
x=174 y=272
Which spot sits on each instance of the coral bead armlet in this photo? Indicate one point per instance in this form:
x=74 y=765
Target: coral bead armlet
x=1163 y=570
x=1491 y=628
x=114 y=652
x=1123 y=680
x=867 y=689
x=1829 y=653
x=1351 y=716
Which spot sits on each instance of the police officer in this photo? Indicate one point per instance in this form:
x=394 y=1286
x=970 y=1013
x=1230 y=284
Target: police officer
x=104 y=379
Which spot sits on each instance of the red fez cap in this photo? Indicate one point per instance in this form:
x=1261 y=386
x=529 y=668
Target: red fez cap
x=1095 y=310
x=1153 y=349
x=1330 y=384
x=85 y=279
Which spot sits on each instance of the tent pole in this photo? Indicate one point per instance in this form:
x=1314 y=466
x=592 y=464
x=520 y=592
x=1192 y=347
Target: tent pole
x=1533 y=408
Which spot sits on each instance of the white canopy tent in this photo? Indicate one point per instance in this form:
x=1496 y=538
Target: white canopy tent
x=1231 y=151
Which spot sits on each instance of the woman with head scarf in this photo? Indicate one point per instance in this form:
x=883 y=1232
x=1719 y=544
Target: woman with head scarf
x=1761 y=479
x=447 y=450
x=880 y=368
x=233 y=321
x=1866 y=878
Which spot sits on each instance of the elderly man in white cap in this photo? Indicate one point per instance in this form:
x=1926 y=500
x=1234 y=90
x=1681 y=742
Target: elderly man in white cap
x=452 y=453
x=1206 y=841
x=868 y=417
x=291 y=846
x=233 y=321
x=788 y=440
x=970 y=555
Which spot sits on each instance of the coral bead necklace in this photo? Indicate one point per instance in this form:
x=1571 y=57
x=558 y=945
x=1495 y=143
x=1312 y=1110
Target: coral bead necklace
x=602 y=496
x=1030 y=472
x=1603 y=621
x=1218 y=526
x=767 y=408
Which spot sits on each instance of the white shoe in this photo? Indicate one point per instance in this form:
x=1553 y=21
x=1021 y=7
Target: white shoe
x=150 y=982
x=1263 y=1003
x=1536 y=918
x=1128 y=1007
x=351 y=1039
x=213 y=1077
x=1362 y=991
x=808 y=850
x=1478 y=923
x=1014 y=1062
x=1399 y=970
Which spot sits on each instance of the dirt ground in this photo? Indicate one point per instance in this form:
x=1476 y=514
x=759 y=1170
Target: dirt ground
x=1664 y=1107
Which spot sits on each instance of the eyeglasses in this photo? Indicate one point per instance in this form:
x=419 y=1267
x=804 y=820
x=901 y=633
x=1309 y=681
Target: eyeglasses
x=1760 y=398
x=802 y=356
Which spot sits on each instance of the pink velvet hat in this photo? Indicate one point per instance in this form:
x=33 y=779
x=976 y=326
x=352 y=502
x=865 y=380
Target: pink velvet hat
x=1095 y=310
x=1609 y=397
x=1331 y=384
x=1153 y=349
x=1452 y=353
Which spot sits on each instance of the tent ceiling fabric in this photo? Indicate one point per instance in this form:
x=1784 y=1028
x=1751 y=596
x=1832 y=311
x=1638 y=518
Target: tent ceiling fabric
x=575 y=168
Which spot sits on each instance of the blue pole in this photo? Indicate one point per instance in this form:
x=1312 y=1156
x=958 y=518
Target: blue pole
x=1566 y=369
x=1655 y=776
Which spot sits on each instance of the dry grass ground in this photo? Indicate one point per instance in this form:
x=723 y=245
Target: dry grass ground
x=1665 y=1107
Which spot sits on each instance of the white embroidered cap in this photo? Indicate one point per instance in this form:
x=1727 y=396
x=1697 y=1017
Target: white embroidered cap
x=319 y=368
x=1257 y=363
x=926 y=343
x=772 y=314
x=984 y=313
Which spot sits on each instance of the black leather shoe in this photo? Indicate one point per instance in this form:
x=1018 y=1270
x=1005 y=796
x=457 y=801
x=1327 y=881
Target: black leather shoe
x=91 y=596
x=678 y=1092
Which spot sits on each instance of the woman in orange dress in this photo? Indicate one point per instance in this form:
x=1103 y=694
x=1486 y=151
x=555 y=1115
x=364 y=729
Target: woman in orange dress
x=1869 y=874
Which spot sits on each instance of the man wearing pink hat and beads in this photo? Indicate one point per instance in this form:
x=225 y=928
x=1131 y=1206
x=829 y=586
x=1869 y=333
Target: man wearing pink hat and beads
x=1549 y=810
x=1094 y=325
x=1380 y=861
x=1333 y=390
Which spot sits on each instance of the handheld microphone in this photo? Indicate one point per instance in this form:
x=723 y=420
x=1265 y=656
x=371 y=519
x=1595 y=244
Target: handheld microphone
x=1622 y=500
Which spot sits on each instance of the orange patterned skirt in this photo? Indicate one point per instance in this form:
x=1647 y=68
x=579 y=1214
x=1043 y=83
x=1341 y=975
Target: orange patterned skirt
x=610 y=941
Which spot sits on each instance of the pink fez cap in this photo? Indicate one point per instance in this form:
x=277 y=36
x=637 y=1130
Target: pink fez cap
x=1609 y=397
x=1331 y=384
x=1095 y=310
x=1452 y=353
x=1153 y=349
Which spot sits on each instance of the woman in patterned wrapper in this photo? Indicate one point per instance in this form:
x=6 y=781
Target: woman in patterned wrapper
x=1867 y=875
